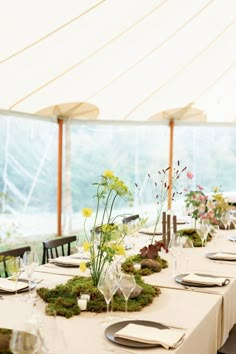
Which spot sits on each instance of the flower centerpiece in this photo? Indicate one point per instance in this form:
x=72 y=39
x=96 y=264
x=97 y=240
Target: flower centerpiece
x=104 y=240
x=203 y=208
x=220 y=205
x=160 y=187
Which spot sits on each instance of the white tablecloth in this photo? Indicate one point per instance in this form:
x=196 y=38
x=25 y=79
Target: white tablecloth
x=206 y=314
x=199 y=315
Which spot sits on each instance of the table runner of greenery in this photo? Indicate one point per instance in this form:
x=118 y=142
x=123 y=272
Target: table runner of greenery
x=62 y=300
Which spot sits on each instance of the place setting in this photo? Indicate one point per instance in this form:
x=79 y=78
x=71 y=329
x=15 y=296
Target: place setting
x=144 y=334
x=21 y=271
x=65 y=261
x=201 y=280
x=8 y=286
x=132 y=332
x=71 y=261
x=222 y=256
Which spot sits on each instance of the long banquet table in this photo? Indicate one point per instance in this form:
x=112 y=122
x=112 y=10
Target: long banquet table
x=196 y=313
x=206 y=315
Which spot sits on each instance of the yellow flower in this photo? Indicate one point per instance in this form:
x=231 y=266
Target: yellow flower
x=108 y=174
x=120 y=250
x=82 y=267
x=215 y=189
x=87 y=212
x=86 y=246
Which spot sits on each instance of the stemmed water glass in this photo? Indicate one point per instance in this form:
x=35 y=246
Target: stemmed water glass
x=186 y=242
x=127 y=284
x=24 y=343
x=175 y=248
x=232 y=214
x=203 y=233
x=107 y=285
x=187 y=246
x=79 y=247
x=225 y=219
x=30 y=262
x=15 y=267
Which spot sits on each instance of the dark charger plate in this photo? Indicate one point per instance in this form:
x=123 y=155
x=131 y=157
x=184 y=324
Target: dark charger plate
x=115 y=327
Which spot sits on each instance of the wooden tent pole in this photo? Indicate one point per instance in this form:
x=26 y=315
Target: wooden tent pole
x=59 y=175
x=171 y=125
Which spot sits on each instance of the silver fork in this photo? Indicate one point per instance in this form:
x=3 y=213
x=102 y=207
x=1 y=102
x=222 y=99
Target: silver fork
x=201 y=290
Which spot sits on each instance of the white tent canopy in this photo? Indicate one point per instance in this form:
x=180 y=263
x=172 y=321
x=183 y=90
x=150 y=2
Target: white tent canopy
x=129 y=58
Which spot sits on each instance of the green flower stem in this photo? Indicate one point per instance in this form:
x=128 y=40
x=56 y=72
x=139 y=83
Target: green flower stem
x=85 y=231
x=112 y=204
x=97 y=209
x=105 y=208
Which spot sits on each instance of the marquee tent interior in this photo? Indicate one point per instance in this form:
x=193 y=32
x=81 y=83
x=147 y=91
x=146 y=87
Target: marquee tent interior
x=132 y=59
x=132 y=65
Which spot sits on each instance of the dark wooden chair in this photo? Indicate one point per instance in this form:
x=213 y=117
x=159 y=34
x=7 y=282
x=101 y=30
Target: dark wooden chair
x=167 y=227
x=130 y=218
x=60 y=246
x=229 y=346
x=16 y=252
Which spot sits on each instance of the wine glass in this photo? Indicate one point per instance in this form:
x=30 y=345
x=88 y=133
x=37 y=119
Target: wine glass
x=232 y=214
x=202 y=232
x=107 y=285
x=14 y=266
x=30 y=262
x=187 y=246
x=225 y=219
x=175 y=248
x=24 y=343
x=78 y=247
x=213 y=231
x=186 y=242
x=127 y=284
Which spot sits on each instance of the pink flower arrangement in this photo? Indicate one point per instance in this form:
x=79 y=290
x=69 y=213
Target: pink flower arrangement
x=199 y=206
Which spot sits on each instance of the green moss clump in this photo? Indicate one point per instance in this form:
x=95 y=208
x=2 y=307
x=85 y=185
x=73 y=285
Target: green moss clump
x=62 y=300
x=193 y=235
x=128 y=265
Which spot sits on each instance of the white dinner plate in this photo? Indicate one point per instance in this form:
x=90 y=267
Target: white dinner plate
x=232 y=238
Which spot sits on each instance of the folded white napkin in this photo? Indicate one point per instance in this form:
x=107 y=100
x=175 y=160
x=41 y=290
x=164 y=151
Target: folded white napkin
x=66 y=260
x=10 y=285
x=224 y=256
x=198 y=279
x=168 y=338
x=80 y=255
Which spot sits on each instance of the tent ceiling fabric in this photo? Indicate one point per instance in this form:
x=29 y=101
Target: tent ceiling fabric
x=129 y=58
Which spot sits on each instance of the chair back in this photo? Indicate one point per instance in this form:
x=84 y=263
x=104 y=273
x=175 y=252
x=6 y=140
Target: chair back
x=56 y=247
x=167 y=226
x=130 y=218
x=16 y=252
